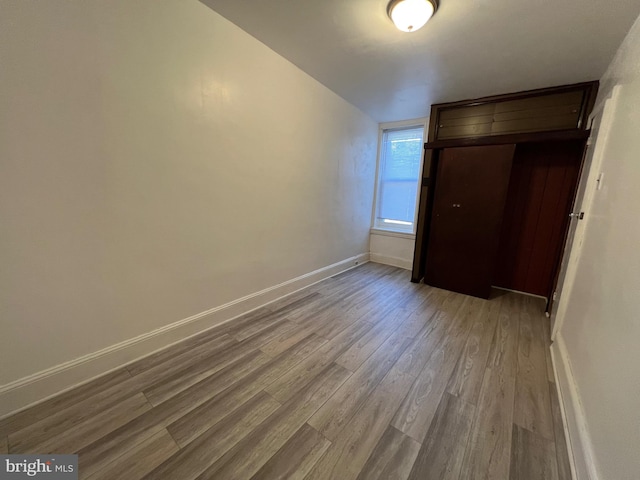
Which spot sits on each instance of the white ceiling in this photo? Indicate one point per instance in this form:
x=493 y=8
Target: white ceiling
x=470 y=48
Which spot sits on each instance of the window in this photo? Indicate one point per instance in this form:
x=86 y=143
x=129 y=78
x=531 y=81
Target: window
x=398 y=176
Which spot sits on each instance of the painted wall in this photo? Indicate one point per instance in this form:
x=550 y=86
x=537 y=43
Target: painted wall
x=599 y=339
x=157 y=161
x=392 y=249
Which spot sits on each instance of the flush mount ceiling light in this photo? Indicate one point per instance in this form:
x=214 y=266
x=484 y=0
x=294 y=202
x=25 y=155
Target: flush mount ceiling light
x=411 y=15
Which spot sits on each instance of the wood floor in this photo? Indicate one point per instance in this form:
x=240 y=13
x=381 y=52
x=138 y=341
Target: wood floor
x=362 y=376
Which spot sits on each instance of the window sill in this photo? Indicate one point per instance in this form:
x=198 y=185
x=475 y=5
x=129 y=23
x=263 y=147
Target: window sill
x=392 y=233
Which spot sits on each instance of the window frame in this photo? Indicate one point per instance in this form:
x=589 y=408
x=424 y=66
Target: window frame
x=379 y=227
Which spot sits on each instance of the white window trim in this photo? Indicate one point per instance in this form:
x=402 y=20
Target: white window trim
x=377 y=228
x=392 y=233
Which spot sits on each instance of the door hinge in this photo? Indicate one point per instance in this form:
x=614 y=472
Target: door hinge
x=555 y=296
x=589 y=141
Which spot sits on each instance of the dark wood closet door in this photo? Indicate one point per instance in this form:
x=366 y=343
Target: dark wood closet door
x=471 y=188
x=543 y=183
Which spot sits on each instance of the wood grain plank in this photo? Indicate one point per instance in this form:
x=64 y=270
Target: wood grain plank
x=208 y=340
x=186 y=428
x=562 y=453
x=487 y=455
x=540 y=112
x=354 y=279
x=4 y=427
x=374 y=308
x=203 y=452
x=84 y=433
x=444 y=446
x=532 y=408
x=541 y=101
x=139 y=461
x=340 y=408
x=287 y=339
x=360 y=304
x=349 y=452
x=460 y=131
x=294 y=460
x=199 y=399
x=65 y=400
x=173 y=375
x=425 y=343
x=466 y=379
x=293 y=302
x=295 y=379
x=441 y=313
x=59 y=423
x=532 y=456
x=488 y=451
x=4 y=445
x=419 y=407
x=392 y=459
x=463 y=112
x=355 y=356
x=182 y=362
x=410 y=314
x=258 y=326
x=241 y=358
x=444 y=122
x=249 y=455
x=343 y=299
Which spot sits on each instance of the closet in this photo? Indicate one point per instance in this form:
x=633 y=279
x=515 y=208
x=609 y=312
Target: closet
x=499 y=179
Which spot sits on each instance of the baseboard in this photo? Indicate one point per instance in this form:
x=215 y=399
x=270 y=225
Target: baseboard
x=575 y=426
x=28 y=391
x=393 y=261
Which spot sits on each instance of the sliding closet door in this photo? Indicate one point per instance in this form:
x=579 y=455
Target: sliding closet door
x=471 y=188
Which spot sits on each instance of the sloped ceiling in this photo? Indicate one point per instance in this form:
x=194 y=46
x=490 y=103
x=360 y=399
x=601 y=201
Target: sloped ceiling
x=470 y=48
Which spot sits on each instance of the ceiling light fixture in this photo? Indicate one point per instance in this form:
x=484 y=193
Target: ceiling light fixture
x=411 y=15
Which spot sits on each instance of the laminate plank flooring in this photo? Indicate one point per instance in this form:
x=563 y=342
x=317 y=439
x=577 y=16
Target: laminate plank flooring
x=488 y=453
x=564 y=469
x=443 y=448
x=533 y=457
x=362 y=376
x=294 y=460
x=153 y=450
x=392 y=458
x=532 y=408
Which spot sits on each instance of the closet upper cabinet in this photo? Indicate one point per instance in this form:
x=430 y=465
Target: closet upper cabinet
x=563 y=109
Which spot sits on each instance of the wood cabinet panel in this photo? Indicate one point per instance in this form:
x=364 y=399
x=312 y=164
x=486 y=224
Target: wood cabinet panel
x=467 y=111
x=461 y=131
x=542 y=100
x=543 y=180
x=535 y=124
x=540 y=192
x=562 y=108
x=470 y=193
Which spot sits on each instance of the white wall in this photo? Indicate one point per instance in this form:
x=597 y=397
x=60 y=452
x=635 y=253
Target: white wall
x=598 y=346
x=156 y=161
x=392 y=248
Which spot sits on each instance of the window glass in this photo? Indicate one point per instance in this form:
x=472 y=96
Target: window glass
x=399 y=172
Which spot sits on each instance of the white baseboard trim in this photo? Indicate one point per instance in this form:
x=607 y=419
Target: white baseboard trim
x=28 y=391
x=393 y=261
x=576 y=432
